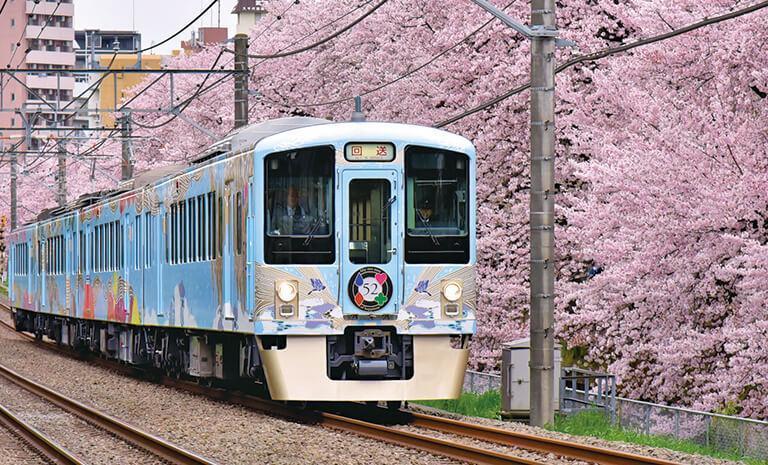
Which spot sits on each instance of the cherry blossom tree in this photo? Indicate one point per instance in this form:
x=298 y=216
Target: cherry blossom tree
x=662 y=220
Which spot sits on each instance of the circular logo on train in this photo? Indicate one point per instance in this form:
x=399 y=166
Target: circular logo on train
x=370 y=288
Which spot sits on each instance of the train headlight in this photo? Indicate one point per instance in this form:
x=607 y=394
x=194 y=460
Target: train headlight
x=452 y=292
x=286 y=291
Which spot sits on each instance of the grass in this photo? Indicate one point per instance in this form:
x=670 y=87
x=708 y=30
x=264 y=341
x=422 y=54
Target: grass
x=486 y=405
x=596 y=424
x=585 y=423
x=4 y=288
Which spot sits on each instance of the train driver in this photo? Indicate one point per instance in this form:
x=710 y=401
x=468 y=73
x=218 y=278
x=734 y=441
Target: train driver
x=289 y=217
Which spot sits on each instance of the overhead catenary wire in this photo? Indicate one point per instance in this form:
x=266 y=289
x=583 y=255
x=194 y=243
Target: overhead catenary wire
x=101 y=143
x=176 y=110
x=318 y=43
x=47 y=21
x=397 y=79
x=162 y=42
x=305 y=36
x=599 y=54
x=277 y=18
x=17 y=45
x=202 y=90
x=93 y=88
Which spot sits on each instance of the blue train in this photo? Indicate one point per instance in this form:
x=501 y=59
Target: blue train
x=330 y=261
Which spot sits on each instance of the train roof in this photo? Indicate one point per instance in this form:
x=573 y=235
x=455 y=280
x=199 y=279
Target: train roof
x=278 y=135
x=341 y=133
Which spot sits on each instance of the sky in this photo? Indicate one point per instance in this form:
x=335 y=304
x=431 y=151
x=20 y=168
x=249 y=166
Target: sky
x=154 y=19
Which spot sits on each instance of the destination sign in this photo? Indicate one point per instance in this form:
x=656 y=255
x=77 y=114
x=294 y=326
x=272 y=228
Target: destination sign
x=369 y=152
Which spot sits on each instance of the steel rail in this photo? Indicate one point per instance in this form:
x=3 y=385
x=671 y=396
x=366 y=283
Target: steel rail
x=49 y=449
x=442 y=447
x=362 y=428
x=146 y=441
x=558 y=447
x=422 y=442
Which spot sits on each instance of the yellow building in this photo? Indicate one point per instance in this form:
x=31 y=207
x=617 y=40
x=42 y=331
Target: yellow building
x=125 y=81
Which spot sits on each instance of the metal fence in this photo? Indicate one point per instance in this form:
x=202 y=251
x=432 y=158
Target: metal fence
x=478 y=382
x=743 y=436
x=581 y=389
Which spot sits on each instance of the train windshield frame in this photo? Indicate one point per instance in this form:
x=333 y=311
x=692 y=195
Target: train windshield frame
x=437 y=206
x=299 y=207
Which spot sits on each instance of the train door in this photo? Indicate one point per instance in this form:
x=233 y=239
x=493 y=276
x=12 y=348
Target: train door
x=135 y=262
x=227 y=253
x=11 y=270
x=370 y=228
x=42 y=261
x=69 y=270
x=250 y=284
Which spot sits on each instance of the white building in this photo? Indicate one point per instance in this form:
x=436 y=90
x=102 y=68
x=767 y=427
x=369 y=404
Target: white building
x=248 y=13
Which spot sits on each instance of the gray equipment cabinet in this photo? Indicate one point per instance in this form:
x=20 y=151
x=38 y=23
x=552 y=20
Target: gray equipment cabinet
x=515 y=378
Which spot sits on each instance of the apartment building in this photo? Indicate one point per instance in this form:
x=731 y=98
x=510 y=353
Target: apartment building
x=91 y=46
x=248 y=12
x=37 y=34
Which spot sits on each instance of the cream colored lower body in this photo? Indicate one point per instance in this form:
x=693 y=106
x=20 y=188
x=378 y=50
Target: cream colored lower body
x=299 y=372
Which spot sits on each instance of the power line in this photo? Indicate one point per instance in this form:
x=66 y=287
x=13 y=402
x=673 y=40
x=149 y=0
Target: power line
x=202 y=90
x=18 y=43
x=607 y=52
x=47 y=21
x=399 y=78
x=3 y=7
x=177 y=33
x=320 y=42
x=92 y=88
x=182 y=106
x=277 y=18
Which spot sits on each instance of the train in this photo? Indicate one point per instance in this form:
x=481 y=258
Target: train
x=328 y=261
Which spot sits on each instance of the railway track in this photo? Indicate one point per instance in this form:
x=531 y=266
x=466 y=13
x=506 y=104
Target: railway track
x=557 y=447
x=542 y=446
x=156 y=446
x=49 y=450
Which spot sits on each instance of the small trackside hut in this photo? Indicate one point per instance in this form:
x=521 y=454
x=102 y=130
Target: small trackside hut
x=331 y=261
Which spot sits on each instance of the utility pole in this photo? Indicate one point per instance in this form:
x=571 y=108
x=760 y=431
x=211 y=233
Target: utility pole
x=14 y=176
x=241 y=80
x=126 y=170
x=61 y=194
x=543 y=35
x=542 y=213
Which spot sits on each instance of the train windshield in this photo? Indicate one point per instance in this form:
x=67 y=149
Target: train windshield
x=299 y=206
x=437 y=206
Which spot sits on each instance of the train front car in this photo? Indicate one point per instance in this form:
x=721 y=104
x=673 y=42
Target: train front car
x=364 y=272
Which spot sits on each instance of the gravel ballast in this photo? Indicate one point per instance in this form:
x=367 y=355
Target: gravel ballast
x=232 y=434
x=218 y=431
x=84 y=441
x=674 y=456
x=13 y=451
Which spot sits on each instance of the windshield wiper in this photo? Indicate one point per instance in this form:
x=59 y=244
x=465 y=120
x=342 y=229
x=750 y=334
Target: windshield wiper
x=385 y=207
x=426 y=225
x=312 y=231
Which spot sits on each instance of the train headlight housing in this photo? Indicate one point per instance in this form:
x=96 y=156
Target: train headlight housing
x=451 y=299
x=286 y=299
x=452 y=292
x=287 y=291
